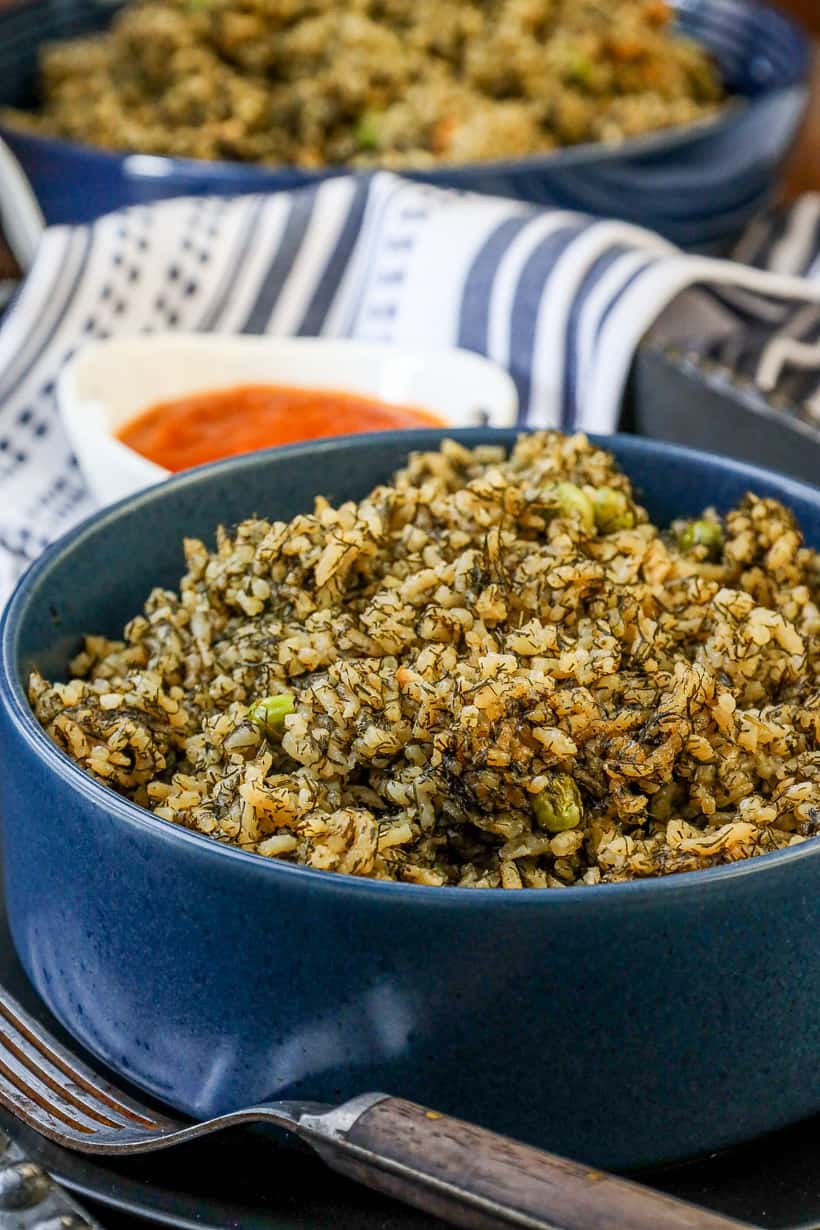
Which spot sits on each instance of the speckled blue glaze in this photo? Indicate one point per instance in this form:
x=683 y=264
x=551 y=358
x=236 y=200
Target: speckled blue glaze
x=622 y=1024
x=698 y=186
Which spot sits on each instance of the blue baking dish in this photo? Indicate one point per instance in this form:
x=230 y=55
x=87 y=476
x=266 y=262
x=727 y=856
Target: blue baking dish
x=698 y=185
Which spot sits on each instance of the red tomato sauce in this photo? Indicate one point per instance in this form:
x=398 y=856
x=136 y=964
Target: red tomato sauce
x=189 y=431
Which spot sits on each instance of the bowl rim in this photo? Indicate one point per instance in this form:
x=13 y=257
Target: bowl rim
x=166 y=166
x=14 y=702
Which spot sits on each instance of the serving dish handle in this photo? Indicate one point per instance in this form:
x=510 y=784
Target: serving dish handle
x=472 y=1177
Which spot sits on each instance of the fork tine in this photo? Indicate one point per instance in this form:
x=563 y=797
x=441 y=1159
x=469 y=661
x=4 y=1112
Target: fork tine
x=49 y=1049
x=42 y=1074
x=18 y=1096
x=42 y=1082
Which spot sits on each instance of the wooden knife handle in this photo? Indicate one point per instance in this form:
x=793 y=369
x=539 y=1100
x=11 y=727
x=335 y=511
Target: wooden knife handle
x=472 y=1177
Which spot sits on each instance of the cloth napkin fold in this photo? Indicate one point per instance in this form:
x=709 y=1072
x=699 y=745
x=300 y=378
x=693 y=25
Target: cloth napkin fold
x=558 y=298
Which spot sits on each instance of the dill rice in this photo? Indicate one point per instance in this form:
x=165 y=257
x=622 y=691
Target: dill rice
x=391 y=83
x=491 y=672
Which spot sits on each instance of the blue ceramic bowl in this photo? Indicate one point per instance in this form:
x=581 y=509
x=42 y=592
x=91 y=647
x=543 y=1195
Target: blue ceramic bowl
x=623 y=1024
x=698 y=185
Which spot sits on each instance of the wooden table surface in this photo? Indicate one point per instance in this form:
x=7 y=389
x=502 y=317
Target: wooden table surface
x=803 y=171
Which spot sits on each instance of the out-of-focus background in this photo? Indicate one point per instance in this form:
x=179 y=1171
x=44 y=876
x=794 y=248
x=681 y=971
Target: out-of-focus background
x=806 y=10
x=800 y=175
x=804 y=171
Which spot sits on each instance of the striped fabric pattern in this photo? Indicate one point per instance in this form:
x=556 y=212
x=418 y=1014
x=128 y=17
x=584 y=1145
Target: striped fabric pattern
x=558 y=298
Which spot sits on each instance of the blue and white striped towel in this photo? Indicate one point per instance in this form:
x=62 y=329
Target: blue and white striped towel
x=560 y=299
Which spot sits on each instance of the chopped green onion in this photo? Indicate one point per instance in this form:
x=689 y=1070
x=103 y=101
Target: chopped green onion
x=367 y=132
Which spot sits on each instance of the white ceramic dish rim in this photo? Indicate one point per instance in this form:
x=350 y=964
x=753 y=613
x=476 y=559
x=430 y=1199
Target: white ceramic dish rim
x=352 y=365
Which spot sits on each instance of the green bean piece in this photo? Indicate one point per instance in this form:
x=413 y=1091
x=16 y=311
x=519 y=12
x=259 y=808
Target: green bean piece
x=270 y=712
x=580 y=69
x=573 y=502
x=367 y=132
x=706 y=534
x=612 y=511
x=559 y=806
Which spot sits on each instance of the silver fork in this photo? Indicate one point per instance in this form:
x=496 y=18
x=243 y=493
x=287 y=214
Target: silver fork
x=458 y=1171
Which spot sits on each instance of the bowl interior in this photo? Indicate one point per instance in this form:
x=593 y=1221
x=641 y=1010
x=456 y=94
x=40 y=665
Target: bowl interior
x=98 y=576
